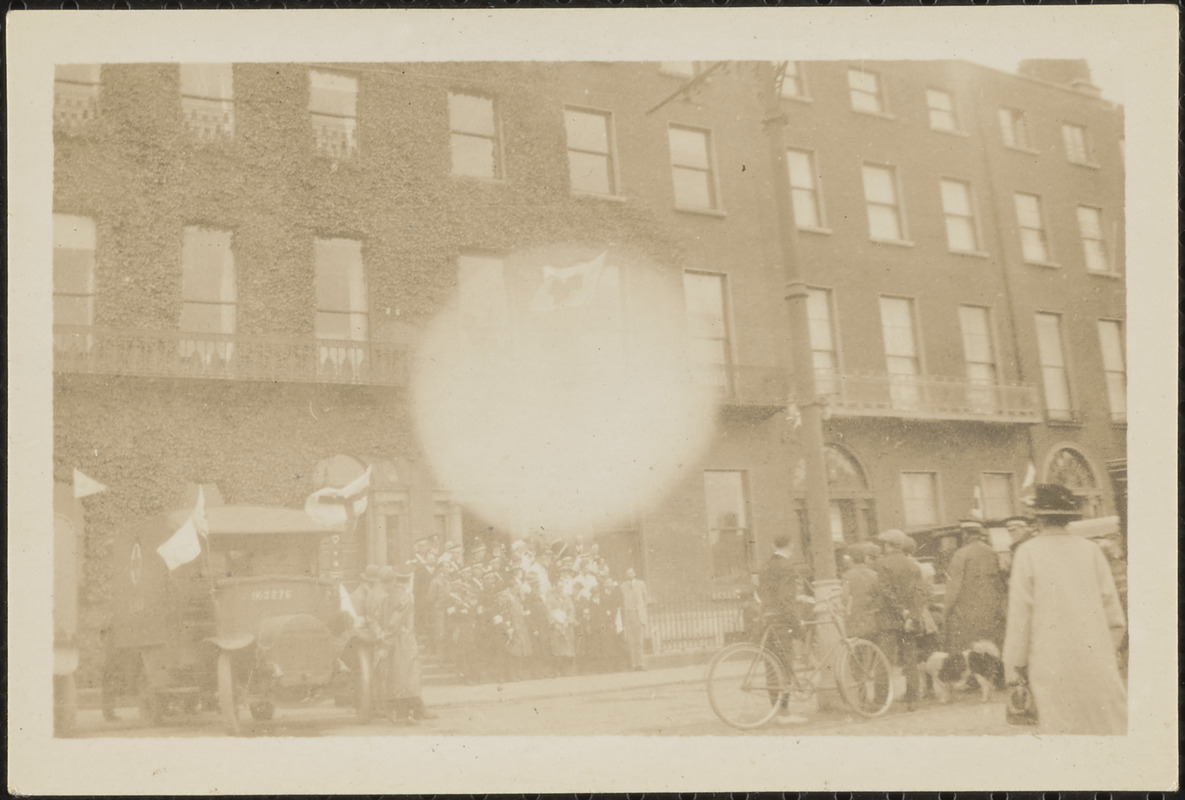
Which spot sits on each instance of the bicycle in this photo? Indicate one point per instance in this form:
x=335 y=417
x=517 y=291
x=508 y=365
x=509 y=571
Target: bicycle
x=748 y=683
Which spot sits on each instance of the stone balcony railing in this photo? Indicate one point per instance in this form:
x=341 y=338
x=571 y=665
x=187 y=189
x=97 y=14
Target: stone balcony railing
x=852 y=394
x=173 y=354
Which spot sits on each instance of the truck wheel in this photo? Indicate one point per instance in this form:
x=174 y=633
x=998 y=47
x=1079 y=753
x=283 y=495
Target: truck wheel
x=65 y=706
x=364 y=705
x=228 y=696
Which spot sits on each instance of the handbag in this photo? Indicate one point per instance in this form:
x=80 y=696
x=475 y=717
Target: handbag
x=1020 y=707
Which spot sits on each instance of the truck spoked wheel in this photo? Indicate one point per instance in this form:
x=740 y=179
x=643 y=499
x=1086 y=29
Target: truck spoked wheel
x=262 y=710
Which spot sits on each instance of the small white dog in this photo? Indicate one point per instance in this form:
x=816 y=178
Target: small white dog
x=981 y=665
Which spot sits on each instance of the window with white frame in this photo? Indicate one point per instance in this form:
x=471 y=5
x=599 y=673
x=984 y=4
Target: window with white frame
x=980 y=357
x=919 y=496
x=962 y=235
x=73 y=280
x=804 y=189
x=1034 y=243
x=793 y=80
x=75 y=96
x=1014 y=127
x=865 y=91
x=1094 y=246
x=998 y=502
x=885 y=220
x=1074 y=139
x=1114 y=367
x=333 y=106
x=1054 y=375
x=341 y=314
x=901 y=351
x=208 y=293
x=941 y=106
x=705 y=295
x=207 y=99
x=481 y=292
x=591 y=155
x=691 y=167
x=729 y=539
x=473 y=135
x=824 y=355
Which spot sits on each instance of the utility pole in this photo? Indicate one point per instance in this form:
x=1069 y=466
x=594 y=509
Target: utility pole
x=810 y=405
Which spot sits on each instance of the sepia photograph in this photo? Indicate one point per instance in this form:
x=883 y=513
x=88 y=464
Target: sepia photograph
x=495 y=400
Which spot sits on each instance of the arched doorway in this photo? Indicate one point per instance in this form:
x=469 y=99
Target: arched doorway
x=852 y=507
x=1070 y=468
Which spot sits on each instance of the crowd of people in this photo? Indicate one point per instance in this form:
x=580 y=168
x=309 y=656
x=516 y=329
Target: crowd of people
x=1053 y=611
x=524 y=610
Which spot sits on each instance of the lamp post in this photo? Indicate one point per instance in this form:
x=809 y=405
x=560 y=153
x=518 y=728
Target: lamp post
x=826 y=586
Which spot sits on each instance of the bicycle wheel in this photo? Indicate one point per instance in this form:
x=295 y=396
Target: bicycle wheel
x=865 y=677
x=745 y=685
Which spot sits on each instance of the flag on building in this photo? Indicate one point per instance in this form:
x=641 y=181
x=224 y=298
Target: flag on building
x=85 y=486
x=337 y=507
x=568 y=287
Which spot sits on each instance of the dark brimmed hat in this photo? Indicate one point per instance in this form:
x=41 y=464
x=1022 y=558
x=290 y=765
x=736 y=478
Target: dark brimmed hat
x=1053 y=500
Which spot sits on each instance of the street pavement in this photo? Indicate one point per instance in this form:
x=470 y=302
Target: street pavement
x=661 y=702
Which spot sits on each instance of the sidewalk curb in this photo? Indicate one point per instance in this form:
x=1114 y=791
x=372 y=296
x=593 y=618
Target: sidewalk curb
x=493 y=694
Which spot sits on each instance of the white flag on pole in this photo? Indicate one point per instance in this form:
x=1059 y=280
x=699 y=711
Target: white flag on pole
x=85 y=486
x=335 y=507
x=1030 y=476
x=182 y=547
x=347 y=605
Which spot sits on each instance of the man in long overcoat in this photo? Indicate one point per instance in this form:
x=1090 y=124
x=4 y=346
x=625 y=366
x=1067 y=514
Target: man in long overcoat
x=975 y=592
x=1065 y=623
x=635 y=616
x=902 y=596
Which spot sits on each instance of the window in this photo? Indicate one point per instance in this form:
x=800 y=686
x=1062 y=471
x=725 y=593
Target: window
x=691 y=168
x=1070 y=468
x=884 y=209
x=919 y=494
x=793 y=80
x=341 y=301
x=942 y=111
x=208 y=293
x=1034 y=244
x=1090 y=223
x=823 y=351
x=979 y=354
x=75 y=96
x=207 y=99
x=730 y=544
x=482 y=298
x=707 y=326
x=804 y=189
x=961 y=233
x=1111 y=341
x=865 y=90
x=1053 y=366
x=997 y=495
x=590 y=152
x=1074 y=139
x=73 y=280
x=473 y=136
x=901 y=351
x=1014 y=127
x=333 y=101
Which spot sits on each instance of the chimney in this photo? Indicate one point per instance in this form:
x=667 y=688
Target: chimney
x=1073 y=73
